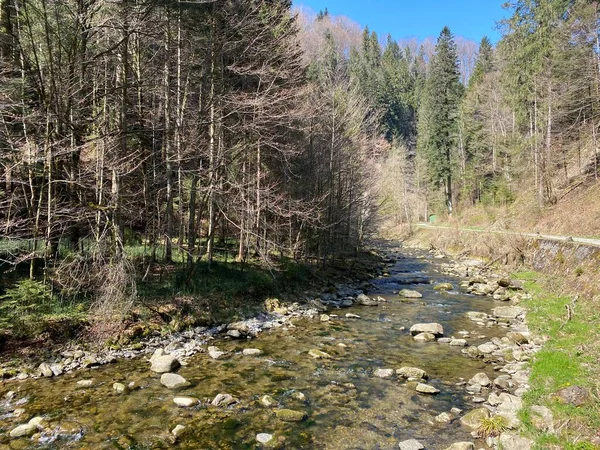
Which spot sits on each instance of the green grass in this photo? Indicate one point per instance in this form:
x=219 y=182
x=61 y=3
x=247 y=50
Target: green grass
x=569 y=357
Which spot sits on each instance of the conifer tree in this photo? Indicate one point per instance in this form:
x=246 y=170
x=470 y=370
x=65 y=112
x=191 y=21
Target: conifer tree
x=439 y=114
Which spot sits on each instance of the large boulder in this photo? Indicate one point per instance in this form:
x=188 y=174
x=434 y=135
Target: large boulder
x=434 y=328
x=164 y=364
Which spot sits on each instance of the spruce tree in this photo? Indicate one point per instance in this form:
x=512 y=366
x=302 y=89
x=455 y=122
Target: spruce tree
x=439 y=114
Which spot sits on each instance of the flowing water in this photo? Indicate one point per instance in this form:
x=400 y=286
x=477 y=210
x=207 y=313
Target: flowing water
x=347 y=407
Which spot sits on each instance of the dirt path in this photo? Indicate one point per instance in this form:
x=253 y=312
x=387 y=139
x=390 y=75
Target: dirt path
x=550 y=237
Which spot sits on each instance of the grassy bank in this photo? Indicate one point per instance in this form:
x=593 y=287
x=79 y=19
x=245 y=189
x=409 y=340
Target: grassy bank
x=570 y=357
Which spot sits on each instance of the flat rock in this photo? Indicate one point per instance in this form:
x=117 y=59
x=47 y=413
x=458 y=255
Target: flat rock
x=164 y=364
x=252 y=352
x=477 y=316
x=514 y=442
x=384 y=373
x=318 y=354
x=173 y=381
x=432 y=328
x=411 y=444
x=85 y=383
x=185 y=402
x=411 y=372
x=290 y=415
x=508 y=312
x=487 y=348
x=426 y=389
x=352 y=316
x=409 y=293
x=458 y=342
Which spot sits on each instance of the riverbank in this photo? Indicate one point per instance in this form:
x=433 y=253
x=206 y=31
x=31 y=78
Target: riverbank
x=565 y=374
x=157 y=321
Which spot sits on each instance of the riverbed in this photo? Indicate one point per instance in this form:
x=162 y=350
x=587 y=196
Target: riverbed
x=345 y=405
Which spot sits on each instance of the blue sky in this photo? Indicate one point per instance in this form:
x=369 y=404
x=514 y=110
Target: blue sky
x=471 y=19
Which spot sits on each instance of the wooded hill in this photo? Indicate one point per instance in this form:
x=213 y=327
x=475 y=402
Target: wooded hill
x=169 y=130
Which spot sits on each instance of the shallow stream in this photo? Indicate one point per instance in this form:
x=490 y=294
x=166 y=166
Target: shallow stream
x=347 y=407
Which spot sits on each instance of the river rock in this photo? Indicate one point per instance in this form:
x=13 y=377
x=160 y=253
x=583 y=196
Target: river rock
x=318 y=354
x=298 y=396
x=264 y=438
x=119 y=388
x=185 y=402
x=481 y=379
x=409 y=293
x=443 y=287
x=165 y=363
x=462 y=446
x=46 y=370
x=214 y=352
x=473 y=418
x=268 y=401
x=223 y=400
x=235 y=334
x=352 y=316
x=573 y=395
x=444 y=417
x=85 y=383
x=542 y=418
x=514 y=442
x=173 y=381
x=252 y=352
x=411 y=444
x=517 y=338
x=426 y=389
x=477 y=316
x=424 y=337
x=384 y=373
x=508 y=312
x=433 y=328
x=364 y=300
x=487 y=348
x=24 y=430
x=178 y=430
x=324 y=318
x=412 y=372
x=290 y=415
x=458 y=342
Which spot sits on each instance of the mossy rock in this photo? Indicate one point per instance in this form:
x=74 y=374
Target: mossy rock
x=290 y=415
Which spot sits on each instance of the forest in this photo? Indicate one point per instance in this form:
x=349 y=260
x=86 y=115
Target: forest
x=203 y=135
